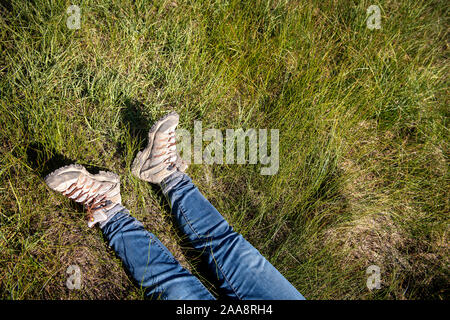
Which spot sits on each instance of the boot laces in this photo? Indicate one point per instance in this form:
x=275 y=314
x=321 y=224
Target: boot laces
x=92 y=203
x=170 y=152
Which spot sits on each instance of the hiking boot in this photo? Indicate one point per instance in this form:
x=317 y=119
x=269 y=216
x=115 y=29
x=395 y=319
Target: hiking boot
x=160 y=158
x=98 y=193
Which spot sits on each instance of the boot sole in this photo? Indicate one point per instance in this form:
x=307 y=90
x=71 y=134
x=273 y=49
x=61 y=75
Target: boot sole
x=103 y=176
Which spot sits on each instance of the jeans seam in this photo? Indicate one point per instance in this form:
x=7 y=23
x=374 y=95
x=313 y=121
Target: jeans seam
x=225 y=277
x=199 y=237
x=130 y=266
x=188 y=221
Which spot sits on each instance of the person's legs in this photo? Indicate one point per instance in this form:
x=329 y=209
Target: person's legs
x=242 y=271
x=149 y=262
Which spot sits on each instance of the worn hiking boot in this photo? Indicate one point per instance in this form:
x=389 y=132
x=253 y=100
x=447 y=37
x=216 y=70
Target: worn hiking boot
x=160 y=158
x=98 y=193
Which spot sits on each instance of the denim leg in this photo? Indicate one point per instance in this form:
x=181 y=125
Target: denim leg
x=241 y=270
x=149 y=262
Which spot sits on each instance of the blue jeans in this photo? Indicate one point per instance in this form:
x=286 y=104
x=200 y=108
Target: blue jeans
x=243 y=273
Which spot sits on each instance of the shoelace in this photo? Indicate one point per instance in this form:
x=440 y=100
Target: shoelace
x=170 y=151
x=92 y=203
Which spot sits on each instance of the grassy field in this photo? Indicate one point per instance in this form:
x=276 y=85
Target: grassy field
x=362 y=116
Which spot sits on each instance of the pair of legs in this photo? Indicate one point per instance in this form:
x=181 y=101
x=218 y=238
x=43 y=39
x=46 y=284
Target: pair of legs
x=243 y=273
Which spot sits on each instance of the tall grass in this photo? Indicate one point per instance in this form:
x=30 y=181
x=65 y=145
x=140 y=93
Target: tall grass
x=362 y=116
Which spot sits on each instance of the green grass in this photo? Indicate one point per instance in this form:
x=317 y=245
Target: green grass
x=362 y=114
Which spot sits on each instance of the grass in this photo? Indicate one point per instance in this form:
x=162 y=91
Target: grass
x=362 y=115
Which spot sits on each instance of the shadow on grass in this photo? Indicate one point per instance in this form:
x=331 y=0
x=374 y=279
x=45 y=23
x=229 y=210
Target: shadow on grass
x=136 y=121
x=44 y=160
